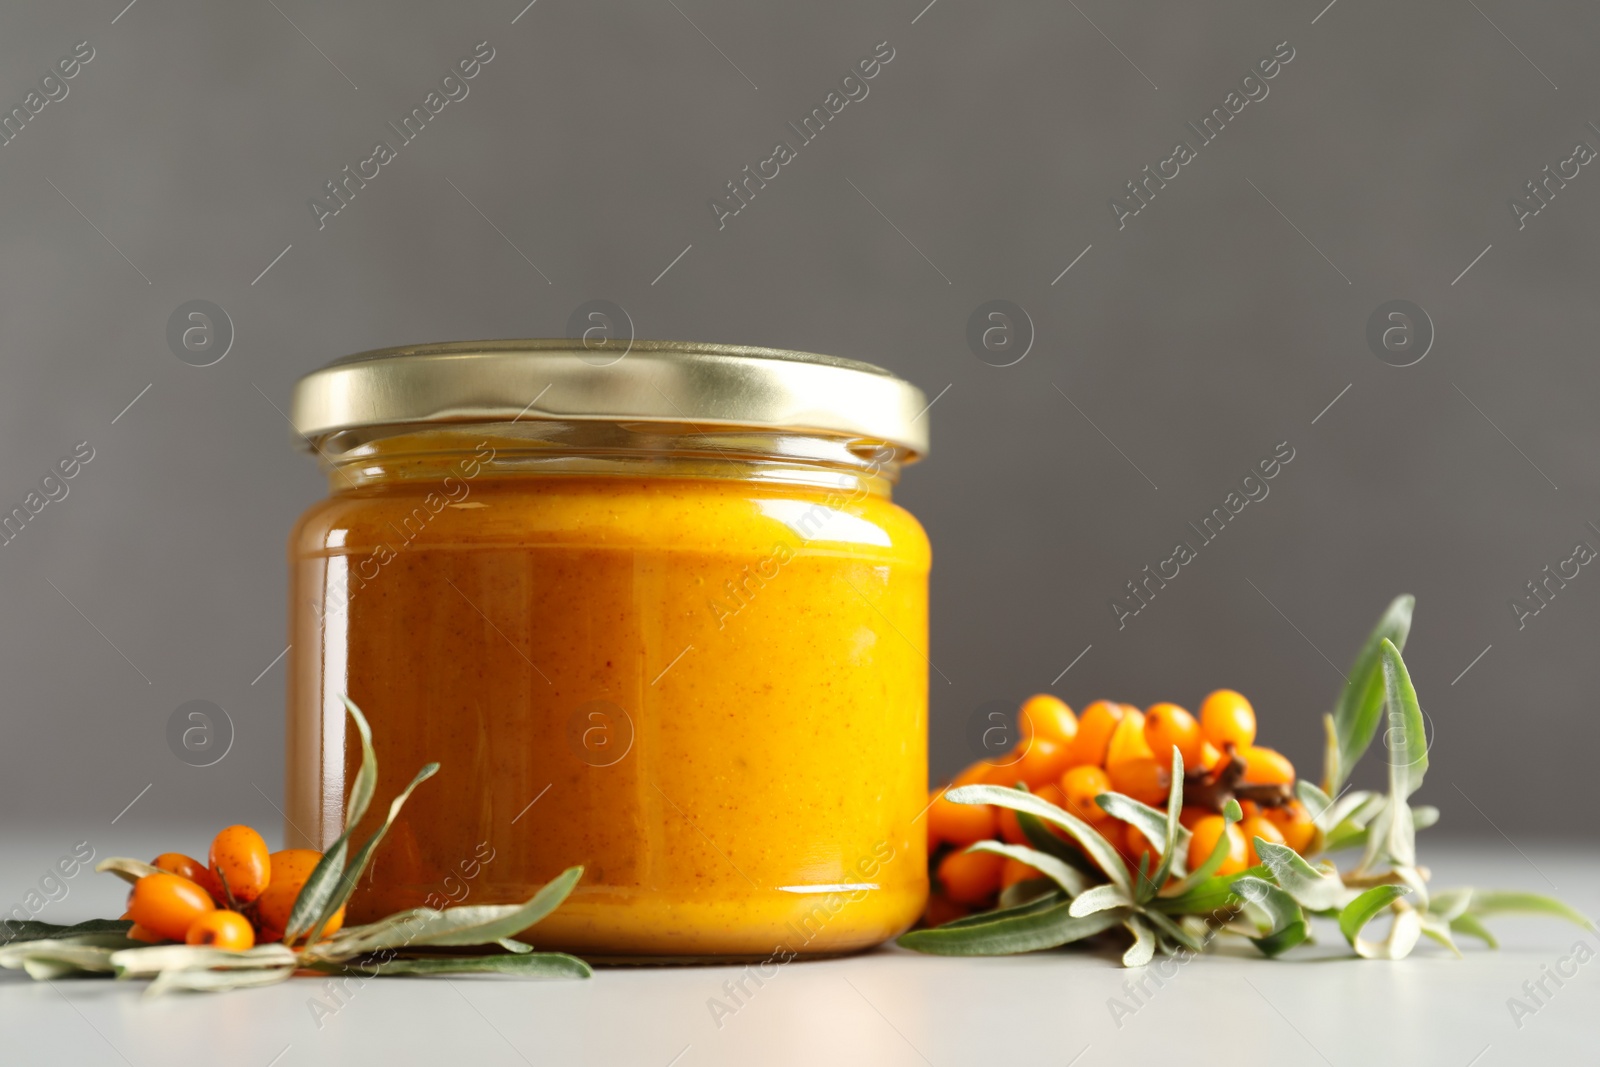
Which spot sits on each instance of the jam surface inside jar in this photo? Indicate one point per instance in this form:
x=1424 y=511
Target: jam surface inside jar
x=699 y=669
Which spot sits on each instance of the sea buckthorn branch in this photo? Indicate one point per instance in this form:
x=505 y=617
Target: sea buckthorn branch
x=295 y=901
x=1231 y=853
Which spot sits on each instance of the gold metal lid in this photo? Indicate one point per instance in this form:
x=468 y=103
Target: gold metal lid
x=649 y=381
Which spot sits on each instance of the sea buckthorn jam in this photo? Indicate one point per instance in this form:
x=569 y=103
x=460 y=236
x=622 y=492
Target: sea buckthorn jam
x=656 y=615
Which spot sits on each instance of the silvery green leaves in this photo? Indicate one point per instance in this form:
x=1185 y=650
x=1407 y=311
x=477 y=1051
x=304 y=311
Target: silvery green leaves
x=414 y=942
x=1073 y=907
x=312 y=907
x=1354 y=721
x=1391 y=834
x=404 y=944
x=15 y=931
x=479 y=924
x=1283 y=925
x=1403 y=935
x=1090 y=888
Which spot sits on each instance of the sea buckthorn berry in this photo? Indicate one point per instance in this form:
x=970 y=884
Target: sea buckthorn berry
x=1095 y=727
x=1190 y=814
x=1264 y=766
x=1210 y=757
x=1042 y=762
x=1016 y=871
x=1295 y=823
x=1226 y=718
x=1248 y=808
x=290 y=869
x=222 y=929
x=1205 y=834
x=1081 y=785
x=1168 y=727
x=1144 y=779
x=1258 y=826
x=167 y=905
x=1127 y=740
x=971 y=877
x=1048 y=716
x=957 y=824
x=188 y=867
x=240 y=860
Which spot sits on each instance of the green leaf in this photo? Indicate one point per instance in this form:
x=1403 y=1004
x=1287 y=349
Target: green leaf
x=44 y=959
x=1407 y=736
x=1311 y=888
x=1030 y=907
x=1041 y=837
x=325 y=877
x=1355 y=807
x=1403 y=936
x=1391 y=835
x=1149 y=822
x=1049 y=928
x=363 y=856
x=526 y=965
x=1315 y=800
x=1098 y=899
x=15 y=930
x=1436 y=929
x=1143 y=949
x=1208 y=896
x=1175 y=848
x=1424 y=816
x=1172 y=930
x=1068 y=878
x=1493 y=902
x=1363 y=908
x=1472 y=927
x=1331 y=773
x=1355 y=718
x=215 y=981
x=155 y=959
x=1448 y=903
x=1347 y=836
x=127 y=868
x=45 y=967
x=1098 y=848
x=485 y=923
x=1028 y=889
x=1288 y=923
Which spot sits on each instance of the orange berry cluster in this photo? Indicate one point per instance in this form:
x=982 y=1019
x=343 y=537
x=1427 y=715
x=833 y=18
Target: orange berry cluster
x=242 y=896
x=1070 y=760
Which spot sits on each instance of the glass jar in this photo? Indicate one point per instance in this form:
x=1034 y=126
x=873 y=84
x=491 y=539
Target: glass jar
x=658 y=617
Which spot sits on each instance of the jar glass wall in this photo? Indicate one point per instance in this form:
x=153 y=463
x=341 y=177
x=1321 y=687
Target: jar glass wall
x=692 y=660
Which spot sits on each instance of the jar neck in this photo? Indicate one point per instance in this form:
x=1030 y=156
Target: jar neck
x=377 y=457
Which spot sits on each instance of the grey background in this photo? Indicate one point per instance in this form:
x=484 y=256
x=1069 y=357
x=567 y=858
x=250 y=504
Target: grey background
x=1196 y=339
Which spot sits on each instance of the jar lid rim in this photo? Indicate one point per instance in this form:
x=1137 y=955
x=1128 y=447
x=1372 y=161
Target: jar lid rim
x=643 y=381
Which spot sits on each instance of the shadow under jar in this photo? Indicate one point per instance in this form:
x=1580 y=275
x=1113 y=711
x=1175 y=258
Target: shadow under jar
x=656 y=616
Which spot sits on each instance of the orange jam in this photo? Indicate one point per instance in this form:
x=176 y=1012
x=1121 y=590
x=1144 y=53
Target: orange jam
x=696 y=665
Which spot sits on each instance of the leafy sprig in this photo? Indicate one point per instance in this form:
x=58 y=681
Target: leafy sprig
x=406 y=943
x=1091 y=889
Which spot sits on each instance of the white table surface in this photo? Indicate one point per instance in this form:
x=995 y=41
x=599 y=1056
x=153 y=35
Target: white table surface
x=888 y=1007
